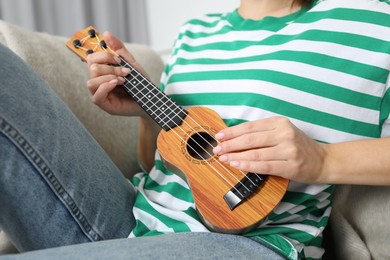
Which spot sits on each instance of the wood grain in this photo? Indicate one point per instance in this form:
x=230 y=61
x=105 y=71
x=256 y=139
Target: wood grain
x=210 y=180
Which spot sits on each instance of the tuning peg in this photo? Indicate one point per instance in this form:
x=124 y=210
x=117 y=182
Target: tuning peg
x=92 y=33
x=77 y=44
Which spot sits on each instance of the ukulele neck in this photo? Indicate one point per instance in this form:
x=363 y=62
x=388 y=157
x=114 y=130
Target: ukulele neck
x=161 y=108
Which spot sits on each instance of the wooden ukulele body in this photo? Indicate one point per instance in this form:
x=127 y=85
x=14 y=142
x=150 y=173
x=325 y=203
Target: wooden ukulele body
x=186 y=143
x=210 y=179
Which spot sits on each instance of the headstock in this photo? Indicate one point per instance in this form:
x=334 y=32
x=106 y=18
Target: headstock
x=87 y=41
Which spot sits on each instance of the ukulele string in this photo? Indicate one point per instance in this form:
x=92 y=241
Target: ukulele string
x=178 y=126
x=168 y=100
x=200 y=156
x=180 y=137
x=192 y=148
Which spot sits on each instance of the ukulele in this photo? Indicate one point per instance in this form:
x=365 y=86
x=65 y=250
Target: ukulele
x=227 y=200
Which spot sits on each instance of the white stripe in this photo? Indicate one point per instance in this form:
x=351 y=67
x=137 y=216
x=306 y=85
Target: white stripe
x=164 y=179
x=342 y=26
x=231 y=36
x=150 y=221
x=197 y=28
x=291 y=208
x=312 y=189
x=327 y=48
x=299 y=218
x=369 y=5
x=312 y=230
x=316 y=132
x=178 y=215
x=165 y=199
x=288 y=207
x=326 y=134
x=294 y=68
x=280 y=92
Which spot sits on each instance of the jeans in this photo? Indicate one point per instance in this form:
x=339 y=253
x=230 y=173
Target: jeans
x=59 y=188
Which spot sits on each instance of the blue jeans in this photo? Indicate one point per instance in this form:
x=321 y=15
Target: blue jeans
x=59 y=188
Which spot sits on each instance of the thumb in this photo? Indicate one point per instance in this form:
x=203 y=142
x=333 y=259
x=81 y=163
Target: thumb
x=119 y=47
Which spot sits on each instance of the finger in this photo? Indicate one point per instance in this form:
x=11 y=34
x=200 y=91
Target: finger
x=248 y=141
x=276 y=168
x=102 y=58
x=96 y=70
x=256 y=155
x=266 y=124
x=119 y=48
x=94 y=83
x=101 y=95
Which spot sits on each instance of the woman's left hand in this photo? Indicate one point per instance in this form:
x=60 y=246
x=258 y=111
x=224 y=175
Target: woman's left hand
x=272 y=146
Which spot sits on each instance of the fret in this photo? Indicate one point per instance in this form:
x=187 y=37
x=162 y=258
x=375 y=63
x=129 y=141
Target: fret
x=192 y=155
x=156 y=104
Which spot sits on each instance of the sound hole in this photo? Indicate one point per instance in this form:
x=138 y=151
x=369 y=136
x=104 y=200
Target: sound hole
x=200 y=145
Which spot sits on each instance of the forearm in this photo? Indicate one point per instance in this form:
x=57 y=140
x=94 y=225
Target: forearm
x=358 y=162
x=148 y=131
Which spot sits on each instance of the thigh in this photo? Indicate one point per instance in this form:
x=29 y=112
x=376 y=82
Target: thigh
x=170 y=246
x=57 y=184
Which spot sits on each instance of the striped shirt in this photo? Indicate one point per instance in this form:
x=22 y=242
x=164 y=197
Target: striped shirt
x=325 y=67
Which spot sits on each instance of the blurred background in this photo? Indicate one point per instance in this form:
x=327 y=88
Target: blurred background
x=151 y=22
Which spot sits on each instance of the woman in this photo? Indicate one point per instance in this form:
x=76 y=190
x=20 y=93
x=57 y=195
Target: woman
x=302 y=86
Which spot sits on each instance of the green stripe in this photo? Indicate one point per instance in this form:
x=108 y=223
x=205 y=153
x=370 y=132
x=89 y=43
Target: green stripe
x=233 y=121
x=289 y=232
x=364 y=16
x=160 y=166
x=141 y=229
x=369 y=72
x=347 y=39
x=208 y=24
x=192 y=213
x=322 y=223
x=135 y=180
x=197 y=35
x=299 y=197
x=286 y=109
x=310 y=209
x=172 y=188
x=177 y=226
x=307 y=85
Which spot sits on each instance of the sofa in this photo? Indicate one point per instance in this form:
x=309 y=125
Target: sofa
x=358 y=229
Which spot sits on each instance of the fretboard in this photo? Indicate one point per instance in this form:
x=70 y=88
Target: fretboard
x=161 y=108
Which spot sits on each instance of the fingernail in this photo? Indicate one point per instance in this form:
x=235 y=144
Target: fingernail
x=113 y=82
x=121 y=80
x=126 y=71
x=217 y=149
x=234 y=164
x=223 y=158
x=219 y=136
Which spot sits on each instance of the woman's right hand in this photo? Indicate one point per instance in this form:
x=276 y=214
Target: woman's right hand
x=105 y=79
